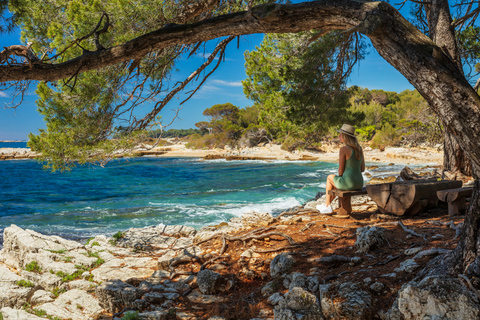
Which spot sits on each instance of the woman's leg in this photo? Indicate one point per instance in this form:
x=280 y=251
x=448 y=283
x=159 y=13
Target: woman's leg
x=330 y=186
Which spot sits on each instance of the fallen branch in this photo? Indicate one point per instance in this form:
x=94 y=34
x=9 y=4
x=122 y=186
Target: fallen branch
x=400 y=223
x=212 y=260
x=293 y=211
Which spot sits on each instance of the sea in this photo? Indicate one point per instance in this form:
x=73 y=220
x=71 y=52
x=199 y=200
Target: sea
x=148 y=191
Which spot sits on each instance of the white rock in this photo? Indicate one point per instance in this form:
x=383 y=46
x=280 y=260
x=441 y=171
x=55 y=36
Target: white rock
x=408 y=266
x=435 y=297
x=74 y=304
x=275 y=298
x=252 y=218
x=281 y=264
x=412 y=251
x=345 y=301
x=368 y=238
x=41 y=297
x=125 y=269
x=15 y=314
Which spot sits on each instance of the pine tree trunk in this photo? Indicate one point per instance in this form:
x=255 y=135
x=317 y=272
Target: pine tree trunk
x=454 y=158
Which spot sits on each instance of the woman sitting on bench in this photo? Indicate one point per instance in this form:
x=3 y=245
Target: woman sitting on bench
x=350 y=167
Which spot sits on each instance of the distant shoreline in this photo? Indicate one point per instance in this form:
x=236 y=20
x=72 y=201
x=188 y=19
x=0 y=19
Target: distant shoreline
x=9 y=141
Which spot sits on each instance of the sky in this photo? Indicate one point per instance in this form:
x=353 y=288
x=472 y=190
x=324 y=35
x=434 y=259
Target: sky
x=224 y=85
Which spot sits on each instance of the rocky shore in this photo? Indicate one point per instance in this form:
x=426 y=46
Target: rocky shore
x=298 y=265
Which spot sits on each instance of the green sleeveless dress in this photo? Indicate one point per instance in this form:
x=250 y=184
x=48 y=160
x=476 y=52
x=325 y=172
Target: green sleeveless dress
x=352 y=178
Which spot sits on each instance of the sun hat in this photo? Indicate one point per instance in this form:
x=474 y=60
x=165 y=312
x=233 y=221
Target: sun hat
x=348 y=130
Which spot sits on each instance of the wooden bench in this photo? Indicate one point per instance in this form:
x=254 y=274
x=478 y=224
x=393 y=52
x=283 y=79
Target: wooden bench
x=345 y=199
x=455 y=199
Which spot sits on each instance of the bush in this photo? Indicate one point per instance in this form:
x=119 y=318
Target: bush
x=130 y=315
x=366 y=133
x=386 y=137
x=33 y=267
x=25 y=283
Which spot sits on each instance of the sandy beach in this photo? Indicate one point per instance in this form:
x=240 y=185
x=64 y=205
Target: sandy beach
x=397 y=155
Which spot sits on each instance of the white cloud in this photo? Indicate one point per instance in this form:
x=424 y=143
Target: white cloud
x=3 y=95
x=228 y=83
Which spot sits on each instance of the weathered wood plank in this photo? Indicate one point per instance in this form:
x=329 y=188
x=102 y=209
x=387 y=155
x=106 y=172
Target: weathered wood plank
x=408 y=197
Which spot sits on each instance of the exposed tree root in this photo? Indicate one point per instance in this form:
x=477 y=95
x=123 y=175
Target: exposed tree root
x=250 y=236
x=274 y=250
x=307 y=226
x=400 y=223
x=382 y=263
x=470 y=285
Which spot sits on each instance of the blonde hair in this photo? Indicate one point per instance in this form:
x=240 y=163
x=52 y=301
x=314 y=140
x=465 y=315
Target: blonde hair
x=353 y=143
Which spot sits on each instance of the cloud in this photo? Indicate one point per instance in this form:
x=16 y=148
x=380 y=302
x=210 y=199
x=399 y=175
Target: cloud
x=206 y=55
x=3 y=95
x=228 y=83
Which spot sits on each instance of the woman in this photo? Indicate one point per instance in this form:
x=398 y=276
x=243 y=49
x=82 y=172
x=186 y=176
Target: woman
x=351 y=166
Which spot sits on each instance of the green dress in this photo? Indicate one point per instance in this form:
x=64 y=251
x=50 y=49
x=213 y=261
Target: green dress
x=352 y=178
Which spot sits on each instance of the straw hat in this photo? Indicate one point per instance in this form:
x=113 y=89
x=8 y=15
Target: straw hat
x=348 y=130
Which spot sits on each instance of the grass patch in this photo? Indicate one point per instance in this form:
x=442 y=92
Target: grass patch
x=70 y=277
x=68 y=259
x=25 y=283
x=39 y=312
x=57 y=291
x=130 y=315
x=1 y=316
x=88 y=240
x=81 y=267
x=117 y=236
x=95 y=243
x=33 y=267
x=61 y=251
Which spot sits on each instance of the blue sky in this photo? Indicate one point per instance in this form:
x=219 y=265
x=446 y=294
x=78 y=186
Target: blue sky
x=224 y=85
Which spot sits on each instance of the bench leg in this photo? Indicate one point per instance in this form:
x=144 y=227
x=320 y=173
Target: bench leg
x=345 y=205
x=456 y=207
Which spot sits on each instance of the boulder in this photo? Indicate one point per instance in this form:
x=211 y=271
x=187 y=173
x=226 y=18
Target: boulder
x=345 y=301
x=275 y=298
x=153 y=315
x=114 y=295
x=177 y=231
x=298 y=280
x=125 y=269
x=298 y=304
x=74 y=304
x=407 y=266
x=435 y=297
x=15 y=314
x=281 y=264
x=211 y=282
x=47 y=281
x=21 y=247
x=256 y=219
x=369 y=238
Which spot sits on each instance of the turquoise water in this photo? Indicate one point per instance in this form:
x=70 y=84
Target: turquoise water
x=19 y=144
x=150 y=191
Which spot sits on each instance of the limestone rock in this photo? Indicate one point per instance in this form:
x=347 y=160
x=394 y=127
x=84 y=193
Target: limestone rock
x=210 y=282
x=408 y=266
x=197 y=297
x=153 y=315
x=14 y=296
x=345 y=301
x=41 y=297
x=435 y=297
x=298 y=280
x=177 y=231
x=74 y=304
x=114 y=295
x=22 y=246
x=281 y=264
x=15 y=314
x=125 y=269
x=298 y=304
x=275 y=298
x=368 y=238
x=47 y=281
x=81 y=284
x=151 y=237
x=255 y=219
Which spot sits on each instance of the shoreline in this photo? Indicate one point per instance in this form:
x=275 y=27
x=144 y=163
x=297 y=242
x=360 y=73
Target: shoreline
x=268 y=152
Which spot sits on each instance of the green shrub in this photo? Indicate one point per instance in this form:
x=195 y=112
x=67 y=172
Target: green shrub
x=366 y=133
x=25 y=283
x=95 y=243
x=131 y=315
x=68 y=259
x=118 y=235
x=385 y=137
x=1 y=316
x=88 y=240
x=39 y=312
x=69 y=277
x=57 y=291
x=33 y=267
